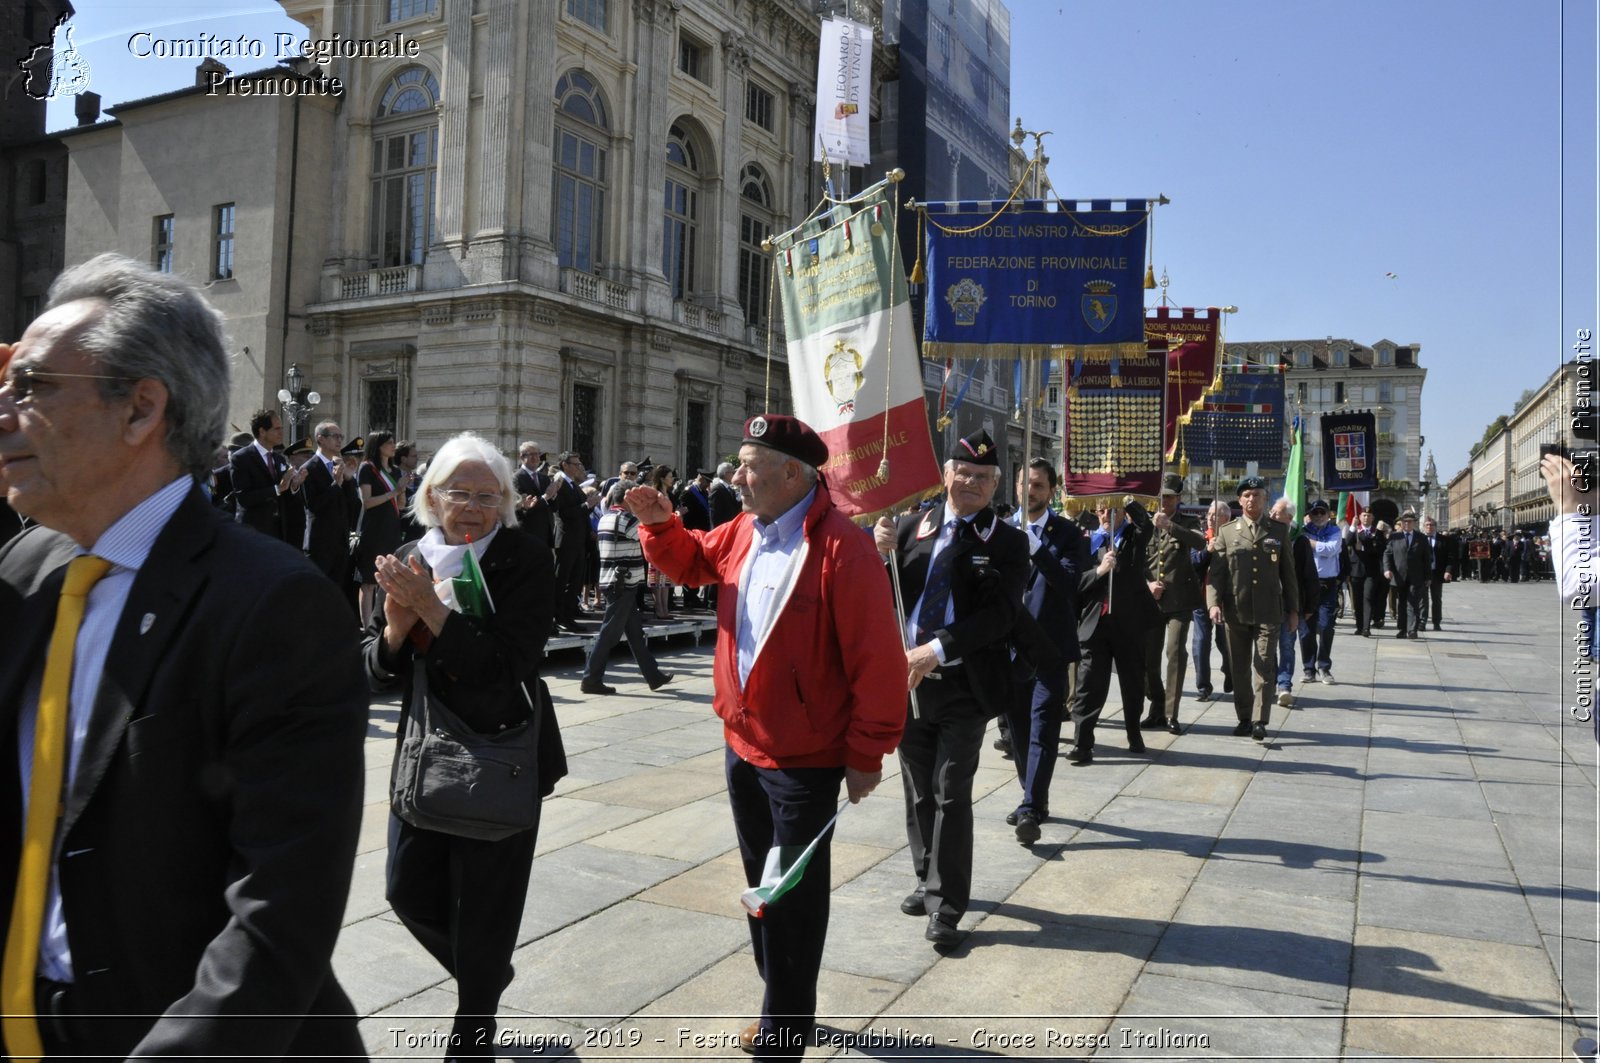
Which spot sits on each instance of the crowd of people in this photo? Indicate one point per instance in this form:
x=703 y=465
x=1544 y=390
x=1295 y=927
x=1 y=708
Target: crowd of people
x=184 y=808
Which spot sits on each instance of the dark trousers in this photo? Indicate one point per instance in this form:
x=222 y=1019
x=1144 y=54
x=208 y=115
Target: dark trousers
x=778 y=807
x=569 y=579
x=1410 y=599
x=1204 y=632
x=1108 y=646
x=938 y=759
x=1369 y=593
x=462 y=900
x=622 y=619
x=1034 y=725
x=1435 y=594
x=1316 y=645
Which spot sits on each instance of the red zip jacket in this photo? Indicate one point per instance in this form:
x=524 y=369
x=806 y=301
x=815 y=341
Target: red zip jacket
x=828 y=687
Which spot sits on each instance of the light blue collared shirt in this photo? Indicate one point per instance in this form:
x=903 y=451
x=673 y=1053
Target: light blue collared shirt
x=126 y=544
x=766 y=577
x=947 y=538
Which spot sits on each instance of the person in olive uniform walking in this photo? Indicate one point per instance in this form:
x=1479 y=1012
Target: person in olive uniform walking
x=1253 y=591
x=1175 y=586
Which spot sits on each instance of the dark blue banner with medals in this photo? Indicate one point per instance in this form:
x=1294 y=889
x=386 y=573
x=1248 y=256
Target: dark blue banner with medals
x=1026 y=282
x=1349 y=451
x=1242 y=422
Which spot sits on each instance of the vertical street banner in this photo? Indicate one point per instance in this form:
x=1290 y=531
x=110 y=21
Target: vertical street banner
x=1349 y=451
x=1036 y=283
x=1242 y=422
x=853 y=365
x=1112 y=437
x=1194 y=360
x=844 y=75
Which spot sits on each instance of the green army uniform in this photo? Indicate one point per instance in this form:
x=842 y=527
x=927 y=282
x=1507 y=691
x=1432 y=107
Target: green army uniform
x=1181 y=595
x=1253 y=580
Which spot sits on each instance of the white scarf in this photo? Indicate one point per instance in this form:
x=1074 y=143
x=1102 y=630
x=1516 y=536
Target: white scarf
x=447 y=561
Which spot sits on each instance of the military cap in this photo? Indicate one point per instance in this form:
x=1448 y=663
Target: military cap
x=356 y=446
x=1251 y=483
x=1172 y=484
x=299 y=446
x=1409 y=514
x=787 y=435
x=240 y=439
x=976 y=449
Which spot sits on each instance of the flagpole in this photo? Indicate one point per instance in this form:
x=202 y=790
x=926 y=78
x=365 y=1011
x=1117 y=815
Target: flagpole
x=900 y=615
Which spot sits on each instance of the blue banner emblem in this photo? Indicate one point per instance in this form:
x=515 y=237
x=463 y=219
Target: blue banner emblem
x=1099 y=306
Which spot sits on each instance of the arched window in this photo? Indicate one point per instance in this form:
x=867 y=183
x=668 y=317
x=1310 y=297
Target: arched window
x=682 y=212
x=580 y=184
x=755 y=225
x=405 y=149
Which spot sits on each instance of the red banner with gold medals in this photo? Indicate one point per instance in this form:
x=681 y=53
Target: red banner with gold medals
x=1194 y=360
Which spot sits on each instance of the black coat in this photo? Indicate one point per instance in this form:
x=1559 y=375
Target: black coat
x=328 y=509
x=255 y=489
x=1364 y=547
x=991 y=569
x=725 y=504
x=1409 y=565
x=1132 y=607
x=208 y=838
x=1054 y=571
x=535 y=521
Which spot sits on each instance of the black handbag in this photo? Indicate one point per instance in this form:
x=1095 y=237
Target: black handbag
x=450 y=778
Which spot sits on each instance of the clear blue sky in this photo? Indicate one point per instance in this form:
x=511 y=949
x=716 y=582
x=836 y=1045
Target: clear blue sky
x=1308 y=151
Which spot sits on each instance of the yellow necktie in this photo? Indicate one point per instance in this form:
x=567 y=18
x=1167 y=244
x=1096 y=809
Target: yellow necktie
x=44 y=810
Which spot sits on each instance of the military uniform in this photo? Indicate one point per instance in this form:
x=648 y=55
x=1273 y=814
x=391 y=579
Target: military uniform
x=1181 y=595
x=1253 y=580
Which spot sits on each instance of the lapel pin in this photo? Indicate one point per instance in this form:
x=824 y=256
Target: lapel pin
x=145 y=623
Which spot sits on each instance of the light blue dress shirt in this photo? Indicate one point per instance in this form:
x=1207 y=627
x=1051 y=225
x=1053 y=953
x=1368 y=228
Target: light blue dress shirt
x=767 y=575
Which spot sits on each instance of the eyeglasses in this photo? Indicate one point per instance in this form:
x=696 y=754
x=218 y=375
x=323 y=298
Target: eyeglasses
x=463 y=499
x=974 y=477
x=333 y=435
x=21 y=382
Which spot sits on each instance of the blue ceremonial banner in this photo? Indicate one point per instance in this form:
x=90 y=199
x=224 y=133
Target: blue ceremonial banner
x=1035 y=283
x=1349 y=452
x=1242 y=422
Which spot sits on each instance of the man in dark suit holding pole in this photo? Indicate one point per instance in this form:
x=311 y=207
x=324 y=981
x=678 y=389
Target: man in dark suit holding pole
x=180 y=729
x=962 y=571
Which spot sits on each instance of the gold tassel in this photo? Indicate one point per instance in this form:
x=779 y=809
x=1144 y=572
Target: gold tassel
x=883 y=469
x=1149 y=277
x=919 y=276
x=1183 y=466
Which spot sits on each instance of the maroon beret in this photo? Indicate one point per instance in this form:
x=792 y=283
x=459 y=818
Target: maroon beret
x=787 y=435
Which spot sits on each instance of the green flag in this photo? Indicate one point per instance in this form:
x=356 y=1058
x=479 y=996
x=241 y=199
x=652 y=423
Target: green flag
x=784 y=868
x=1294 y=479
x=471 y=593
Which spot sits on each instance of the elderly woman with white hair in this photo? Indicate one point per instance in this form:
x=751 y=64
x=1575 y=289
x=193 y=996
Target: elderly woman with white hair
x=462 y=897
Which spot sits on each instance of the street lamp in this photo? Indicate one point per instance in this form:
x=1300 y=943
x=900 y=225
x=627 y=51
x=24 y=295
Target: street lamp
x=298 y=400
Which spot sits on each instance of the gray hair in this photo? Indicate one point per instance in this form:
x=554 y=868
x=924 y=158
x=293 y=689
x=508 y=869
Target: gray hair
x=1283 y=502
x=725 y=469
x=156 y=326
x=615 y=495
x=1221 y=510
x=456 y=452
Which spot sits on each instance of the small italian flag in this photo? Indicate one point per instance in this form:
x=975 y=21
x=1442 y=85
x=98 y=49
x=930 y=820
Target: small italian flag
x=786 y=864
x=471 y=592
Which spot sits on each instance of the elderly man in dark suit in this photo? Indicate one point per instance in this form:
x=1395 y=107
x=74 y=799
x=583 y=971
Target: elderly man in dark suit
x=1446 y=568
x=330 y=491
x=1059 y=553
x=1364 y=545
x=1115 y=611
x=962 y=572
x=1407 y=564
x=180 y=729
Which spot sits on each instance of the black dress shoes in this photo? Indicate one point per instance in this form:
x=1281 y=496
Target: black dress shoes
x=596 y=688
x=1242 y=730
x=914 y=902
x=661 y=680
x=1173 y=728
x=1027 y=828
x=1136 y=745
x=1152 y=723
x=1011 y=819
x=1081 y=757
x=942 y=930
x=1436 y=627
x=1259 y=732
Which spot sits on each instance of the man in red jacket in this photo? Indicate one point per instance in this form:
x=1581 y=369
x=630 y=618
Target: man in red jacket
x=809 y=682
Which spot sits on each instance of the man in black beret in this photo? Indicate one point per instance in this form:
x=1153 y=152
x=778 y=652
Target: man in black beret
x=962 y=574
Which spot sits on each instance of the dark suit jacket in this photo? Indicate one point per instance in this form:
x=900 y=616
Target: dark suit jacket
x=571 y=518
x=328 y=509
x=991 y=568
x=1446 y=556
x=725 y=504
x=1365 y=549
x=255 y=491
x=1132 y=608
x=208 y=839
x=1413 y=565
x=537 y=522
x=1054 y=571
